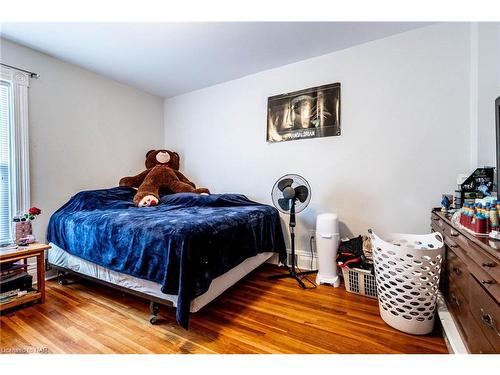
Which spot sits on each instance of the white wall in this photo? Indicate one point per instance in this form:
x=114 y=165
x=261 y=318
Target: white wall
x=488 y=89
x=405 y=131
x=86 y=131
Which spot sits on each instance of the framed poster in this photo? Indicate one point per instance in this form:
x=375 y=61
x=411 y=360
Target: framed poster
x=309 y=113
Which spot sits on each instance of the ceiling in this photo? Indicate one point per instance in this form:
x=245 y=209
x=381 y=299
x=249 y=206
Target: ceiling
x=168 y=59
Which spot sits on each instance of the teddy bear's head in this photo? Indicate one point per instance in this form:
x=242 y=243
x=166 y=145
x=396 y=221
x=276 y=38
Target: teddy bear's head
x=162 y=157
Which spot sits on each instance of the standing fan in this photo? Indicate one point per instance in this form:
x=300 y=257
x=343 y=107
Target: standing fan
x=291 y=194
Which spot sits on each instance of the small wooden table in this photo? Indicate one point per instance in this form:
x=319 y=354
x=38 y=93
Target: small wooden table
x=23 y=253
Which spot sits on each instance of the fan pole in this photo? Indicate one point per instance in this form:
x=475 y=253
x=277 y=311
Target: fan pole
x=291 y=225
x=292 y=273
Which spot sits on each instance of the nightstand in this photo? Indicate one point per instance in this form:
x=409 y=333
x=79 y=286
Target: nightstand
x=23 y=253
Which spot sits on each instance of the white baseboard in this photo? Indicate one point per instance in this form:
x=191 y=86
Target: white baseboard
x=302 y=259
x=32 y=271
x=451 y=335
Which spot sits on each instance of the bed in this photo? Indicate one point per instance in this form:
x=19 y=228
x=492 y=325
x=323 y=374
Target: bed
x=184 y=252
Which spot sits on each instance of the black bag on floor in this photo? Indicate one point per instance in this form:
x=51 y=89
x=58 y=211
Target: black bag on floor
x=350 y=254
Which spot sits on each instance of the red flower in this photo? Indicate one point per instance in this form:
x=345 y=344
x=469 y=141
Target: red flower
x=34 y=211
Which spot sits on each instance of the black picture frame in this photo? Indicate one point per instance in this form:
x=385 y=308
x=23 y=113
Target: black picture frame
x=308 y=113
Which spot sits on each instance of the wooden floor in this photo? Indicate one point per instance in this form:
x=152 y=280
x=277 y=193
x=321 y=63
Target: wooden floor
x=255 y=316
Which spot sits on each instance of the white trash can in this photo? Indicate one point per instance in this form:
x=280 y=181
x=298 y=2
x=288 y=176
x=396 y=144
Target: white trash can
x=327 y=244
x=407 y=271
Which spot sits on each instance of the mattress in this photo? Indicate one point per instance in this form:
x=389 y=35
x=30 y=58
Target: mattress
x=183 y=243
x=59 y=257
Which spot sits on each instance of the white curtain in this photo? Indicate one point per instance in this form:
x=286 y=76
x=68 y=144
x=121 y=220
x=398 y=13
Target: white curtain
x=14 y=151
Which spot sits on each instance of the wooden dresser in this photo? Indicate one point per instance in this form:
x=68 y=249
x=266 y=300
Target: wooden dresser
x=471 y=284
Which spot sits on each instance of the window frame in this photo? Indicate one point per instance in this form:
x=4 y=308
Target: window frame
x=19 y=143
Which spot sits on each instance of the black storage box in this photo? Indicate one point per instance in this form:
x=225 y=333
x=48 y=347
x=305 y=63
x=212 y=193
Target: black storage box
x=22 y=281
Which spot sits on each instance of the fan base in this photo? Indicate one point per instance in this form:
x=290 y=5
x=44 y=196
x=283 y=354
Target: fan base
x=293 y=275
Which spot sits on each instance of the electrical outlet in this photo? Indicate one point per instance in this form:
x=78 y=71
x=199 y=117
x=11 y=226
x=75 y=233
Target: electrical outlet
x=312 y=235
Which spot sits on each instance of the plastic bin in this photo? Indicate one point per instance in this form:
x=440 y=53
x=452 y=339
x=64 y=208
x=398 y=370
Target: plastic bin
x=360 y=282
x=407 y=271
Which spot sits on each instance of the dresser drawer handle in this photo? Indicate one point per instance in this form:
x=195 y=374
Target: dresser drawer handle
x=454 y=299
x=435 y=218
x=456 y=270
x=453 y=245
x=487 y=281
x=454 y=234
x=489 y=321
x=488 y=264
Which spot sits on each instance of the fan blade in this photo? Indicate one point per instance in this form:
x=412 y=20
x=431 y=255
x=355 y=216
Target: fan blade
x=285 y=183
x=284 y=203
x=301 y=193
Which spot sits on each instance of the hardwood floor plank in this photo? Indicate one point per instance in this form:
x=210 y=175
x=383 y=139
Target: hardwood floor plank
x=255 y=316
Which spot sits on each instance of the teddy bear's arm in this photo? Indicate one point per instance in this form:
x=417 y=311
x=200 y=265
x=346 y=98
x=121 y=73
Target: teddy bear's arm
x=184 y=179
x=134 y=181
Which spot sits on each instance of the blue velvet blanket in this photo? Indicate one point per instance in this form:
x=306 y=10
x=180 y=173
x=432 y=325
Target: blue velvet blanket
x=183 y=243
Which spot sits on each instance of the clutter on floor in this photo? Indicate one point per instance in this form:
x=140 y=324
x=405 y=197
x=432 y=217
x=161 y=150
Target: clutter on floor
x=354 y=257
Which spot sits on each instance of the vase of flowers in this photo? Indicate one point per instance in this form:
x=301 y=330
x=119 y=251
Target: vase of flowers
x=22 y=226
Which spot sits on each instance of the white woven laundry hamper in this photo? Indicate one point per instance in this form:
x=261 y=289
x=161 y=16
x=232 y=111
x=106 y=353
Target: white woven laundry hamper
x=407 y=270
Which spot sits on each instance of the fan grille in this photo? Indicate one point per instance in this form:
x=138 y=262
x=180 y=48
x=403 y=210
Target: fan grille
x=296 y=181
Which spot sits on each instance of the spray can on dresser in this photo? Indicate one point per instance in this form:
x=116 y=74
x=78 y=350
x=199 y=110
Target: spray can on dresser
x=480 y=224
x=494 y=218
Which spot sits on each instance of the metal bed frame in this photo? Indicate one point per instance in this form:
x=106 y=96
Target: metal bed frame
x=154 y=302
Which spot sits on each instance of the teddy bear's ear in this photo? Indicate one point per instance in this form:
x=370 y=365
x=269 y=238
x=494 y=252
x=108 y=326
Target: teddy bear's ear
x=149 y=152
x=151 y=159
x=175 y=160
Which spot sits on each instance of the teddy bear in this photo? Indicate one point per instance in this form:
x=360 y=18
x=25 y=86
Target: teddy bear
x=162 y=172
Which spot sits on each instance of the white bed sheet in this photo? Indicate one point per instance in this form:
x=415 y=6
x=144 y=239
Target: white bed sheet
x=61 y=258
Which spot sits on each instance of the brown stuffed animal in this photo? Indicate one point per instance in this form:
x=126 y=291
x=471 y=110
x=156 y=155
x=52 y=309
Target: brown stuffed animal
x=162 y=172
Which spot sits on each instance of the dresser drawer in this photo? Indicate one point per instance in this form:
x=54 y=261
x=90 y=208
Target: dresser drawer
x=475 y=340
x=435 y=220
x=458 y=250
x=458 y=273
x=439 y=225
x=459 y=309
x=485 y=279
x=487 y=263
x=486 y=313
x=458 y=304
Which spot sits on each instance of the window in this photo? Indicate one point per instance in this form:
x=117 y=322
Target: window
x=14 y=158
x=5 y=149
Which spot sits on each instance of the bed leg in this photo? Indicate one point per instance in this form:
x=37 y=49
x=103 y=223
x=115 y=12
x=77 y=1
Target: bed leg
x=61 y=278
x=154 y=308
